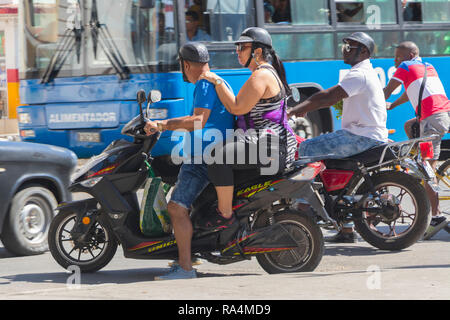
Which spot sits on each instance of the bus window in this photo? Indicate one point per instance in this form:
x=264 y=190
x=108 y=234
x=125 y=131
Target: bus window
x=430 y=42
x=223 y=59
x=412 y=11
x=304 y=46
x=369 y=12
x=310 y=12
x=386 y=42
x=437 y=11
x=426 y=11
x=305 y=12
x=48 y=25
x=139 y=37
x=198 y=6
x=194 y=31
x=42 y=19
x=279 y=11
x=219 y=21
x=224 y=20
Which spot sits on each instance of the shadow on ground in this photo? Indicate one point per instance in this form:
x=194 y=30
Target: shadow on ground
x=104 y=277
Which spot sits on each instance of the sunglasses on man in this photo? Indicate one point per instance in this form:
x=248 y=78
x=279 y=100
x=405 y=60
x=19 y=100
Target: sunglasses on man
x=347 y=47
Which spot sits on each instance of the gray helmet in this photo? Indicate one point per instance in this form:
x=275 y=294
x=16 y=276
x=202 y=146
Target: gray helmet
x=255 y=35
x=364 y=39
x=195 y=52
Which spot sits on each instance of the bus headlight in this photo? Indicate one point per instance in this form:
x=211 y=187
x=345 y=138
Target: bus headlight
x=24 y=118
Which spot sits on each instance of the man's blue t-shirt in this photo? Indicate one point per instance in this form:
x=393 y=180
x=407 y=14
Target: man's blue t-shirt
x=219 y=121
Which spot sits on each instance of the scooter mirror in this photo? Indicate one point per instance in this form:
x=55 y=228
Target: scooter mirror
x=154 y=96
x=141 y=96
x=295 y=94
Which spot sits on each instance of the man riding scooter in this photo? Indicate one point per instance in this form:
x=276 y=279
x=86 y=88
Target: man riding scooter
x=208 y=113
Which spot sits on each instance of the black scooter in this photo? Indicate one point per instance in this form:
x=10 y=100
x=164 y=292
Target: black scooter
x=86 y=233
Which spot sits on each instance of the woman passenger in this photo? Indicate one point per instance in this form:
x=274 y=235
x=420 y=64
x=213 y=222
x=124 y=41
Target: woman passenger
x=259 y=105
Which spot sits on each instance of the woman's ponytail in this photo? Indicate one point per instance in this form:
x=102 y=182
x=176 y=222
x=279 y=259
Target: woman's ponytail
x=279 y=67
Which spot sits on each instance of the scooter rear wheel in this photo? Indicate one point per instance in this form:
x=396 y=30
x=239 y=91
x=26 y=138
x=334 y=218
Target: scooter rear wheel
x=306 y=257
x=90 y=255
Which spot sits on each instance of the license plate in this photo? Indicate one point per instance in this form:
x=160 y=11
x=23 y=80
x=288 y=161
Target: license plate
x=88 y=136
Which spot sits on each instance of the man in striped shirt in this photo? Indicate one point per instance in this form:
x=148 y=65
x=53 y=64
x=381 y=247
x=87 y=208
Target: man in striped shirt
x=435 y=110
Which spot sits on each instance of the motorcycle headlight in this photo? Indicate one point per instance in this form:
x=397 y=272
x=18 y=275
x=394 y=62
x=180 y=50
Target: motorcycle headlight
x=157 y=113
x=89 y=183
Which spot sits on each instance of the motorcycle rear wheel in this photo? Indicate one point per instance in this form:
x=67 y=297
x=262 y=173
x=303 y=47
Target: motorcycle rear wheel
x=90 y=256
x=310 y=245
x=400 y=234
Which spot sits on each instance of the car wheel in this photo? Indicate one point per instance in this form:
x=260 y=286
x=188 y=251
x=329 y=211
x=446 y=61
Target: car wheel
x=26 y=228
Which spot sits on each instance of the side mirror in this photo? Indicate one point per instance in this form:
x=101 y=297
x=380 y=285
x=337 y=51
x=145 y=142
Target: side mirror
x=154 y=96
x=295 y=94
x=141 y=96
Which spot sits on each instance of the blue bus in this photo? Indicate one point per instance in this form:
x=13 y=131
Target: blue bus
x=82 y=61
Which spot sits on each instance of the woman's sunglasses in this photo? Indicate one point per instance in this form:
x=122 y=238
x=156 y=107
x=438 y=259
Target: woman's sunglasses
x=242 y=46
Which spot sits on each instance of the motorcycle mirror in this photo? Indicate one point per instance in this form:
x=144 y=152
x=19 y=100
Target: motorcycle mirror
x=141 y=96
x=295 y=94
x=141 y=99
x=154 y=96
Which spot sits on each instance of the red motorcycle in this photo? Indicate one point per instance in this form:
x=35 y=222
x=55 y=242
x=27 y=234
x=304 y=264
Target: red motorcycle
x=381 y=191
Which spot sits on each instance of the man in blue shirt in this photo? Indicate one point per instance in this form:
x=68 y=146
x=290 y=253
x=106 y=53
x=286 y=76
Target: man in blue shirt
x=193 y=30
x=209 y=117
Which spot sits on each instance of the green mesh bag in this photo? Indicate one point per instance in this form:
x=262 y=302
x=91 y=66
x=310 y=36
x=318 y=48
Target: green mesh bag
x=154 y=218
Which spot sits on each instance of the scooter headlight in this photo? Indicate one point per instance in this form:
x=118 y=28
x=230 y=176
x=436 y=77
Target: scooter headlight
x=89 y=183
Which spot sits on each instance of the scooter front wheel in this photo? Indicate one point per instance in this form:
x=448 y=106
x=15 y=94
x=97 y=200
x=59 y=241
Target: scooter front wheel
x=91 y=254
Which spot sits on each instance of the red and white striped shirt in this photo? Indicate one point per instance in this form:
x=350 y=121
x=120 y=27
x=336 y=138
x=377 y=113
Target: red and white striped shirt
x=434 y=99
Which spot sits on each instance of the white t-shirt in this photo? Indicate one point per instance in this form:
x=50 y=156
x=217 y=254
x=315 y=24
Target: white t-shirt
x=364 y=111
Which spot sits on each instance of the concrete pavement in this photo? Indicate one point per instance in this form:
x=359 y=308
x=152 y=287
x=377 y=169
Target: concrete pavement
x=347 y=271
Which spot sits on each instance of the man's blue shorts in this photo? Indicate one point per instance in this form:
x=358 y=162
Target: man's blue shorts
x=192 y=180
x=336 y=145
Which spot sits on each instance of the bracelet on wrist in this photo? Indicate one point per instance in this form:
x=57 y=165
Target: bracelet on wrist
x=159 y=124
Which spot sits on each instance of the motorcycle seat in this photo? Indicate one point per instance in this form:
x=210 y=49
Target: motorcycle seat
x=373 y=155
x=368 y=158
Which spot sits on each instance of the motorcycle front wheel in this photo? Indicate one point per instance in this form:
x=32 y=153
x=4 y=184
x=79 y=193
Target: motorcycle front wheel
x=408 y=207
x=95 y=252
x=308 y=254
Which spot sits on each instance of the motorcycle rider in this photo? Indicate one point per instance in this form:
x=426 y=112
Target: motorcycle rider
x=364 y=111
x=260 y=107
x=435 y=111
x=208 y=113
